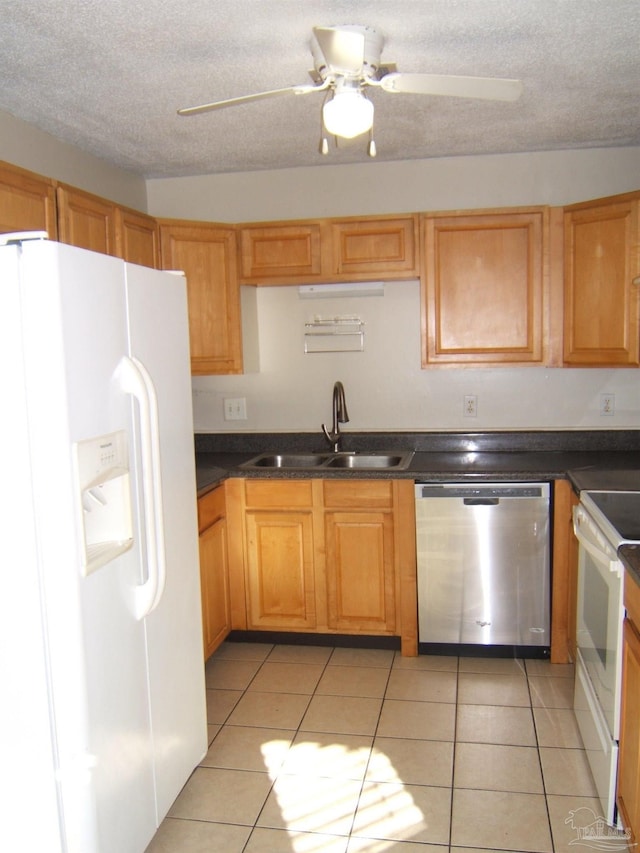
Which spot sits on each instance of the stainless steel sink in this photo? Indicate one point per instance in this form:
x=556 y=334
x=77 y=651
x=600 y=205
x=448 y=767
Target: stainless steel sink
x=359 y=460
x=370 y=460
x=286 y=460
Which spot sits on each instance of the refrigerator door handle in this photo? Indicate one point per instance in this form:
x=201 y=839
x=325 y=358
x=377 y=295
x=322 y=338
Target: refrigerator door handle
x=134 y=379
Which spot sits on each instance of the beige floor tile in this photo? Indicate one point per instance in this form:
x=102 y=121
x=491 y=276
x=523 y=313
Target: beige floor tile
x=212 y=731
x=229 y=796
x=192 y=836
x=495 y=724
x=271 y=710
x=282 y=677
x=354 y=681
x=570 y=815
x=328 y=754
x=301 y=654
x=490 y=689
x=361 y=657
x=414 y=762
x=417 y=720
x=264 y=840
x=249 y=748
x=220 y=703
x=225 y=674
x=321 y=804
x=440 y=663
x=566 y=771
x=553 y=670
x=496 y=767
x=557 y=727
x=551 y=692
x=243 y=651
x=422 y=685
x=378 y=845
x=500 y=820
x=342 y=714
x=497 y=666
x=403 y=813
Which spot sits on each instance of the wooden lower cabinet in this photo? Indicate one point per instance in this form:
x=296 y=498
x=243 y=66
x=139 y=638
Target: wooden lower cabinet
x=325 y=556
x=628 y=796
x=214 y=571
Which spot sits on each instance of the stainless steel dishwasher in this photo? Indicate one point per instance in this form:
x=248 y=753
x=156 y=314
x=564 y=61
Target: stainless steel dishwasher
x=483 y=568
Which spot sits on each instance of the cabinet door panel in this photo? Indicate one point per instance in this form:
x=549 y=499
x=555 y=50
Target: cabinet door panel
x=280 y=252
x=207 y=256
x=27 y=202
x=628 y=795
x=601 y=303
x=280 y=570
x=360 y=575
x=138 y=238
x=483 y=299
x=374 y=247
x=86 y=221
x=216 y=621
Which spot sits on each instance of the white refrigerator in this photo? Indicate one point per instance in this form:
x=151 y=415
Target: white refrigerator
x=102 y=717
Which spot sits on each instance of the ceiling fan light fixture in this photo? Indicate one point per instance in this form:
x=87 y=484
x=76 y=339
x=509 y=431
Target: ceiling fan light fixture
x=348 y=114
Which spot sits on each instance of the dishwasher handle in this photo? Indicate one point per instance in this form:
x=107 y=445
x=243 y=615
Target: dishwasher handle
x=481 y=501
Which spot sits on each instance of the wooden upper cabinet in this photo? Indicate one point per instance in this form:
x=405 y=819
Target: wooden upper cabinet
x=483 y=299
x=329 y=250
x=27 y=202
x=207 y=254
x=602 y=257
x=137 y=237
x=86 y=220
x=372 y=246
x=280 y=253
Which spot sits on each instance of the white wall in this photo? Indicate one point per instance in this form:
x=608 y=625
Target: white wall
x=385 y=386
x=553 y=177
x=30 y=148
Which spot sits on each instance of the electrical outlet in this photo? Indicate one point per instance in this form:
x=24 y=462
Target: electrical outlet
x=607 y=404
x=235 y=409
x=470 y=409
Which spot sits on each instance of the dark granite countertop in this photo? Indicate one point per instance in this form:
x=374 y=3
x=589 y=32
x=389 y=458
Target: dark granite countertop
x=608 y=460
x=630 y=556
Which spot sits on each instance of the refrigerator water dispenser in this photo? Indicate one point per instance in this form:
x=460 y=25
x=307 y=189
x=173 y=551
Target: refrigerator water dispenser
x=102 y=466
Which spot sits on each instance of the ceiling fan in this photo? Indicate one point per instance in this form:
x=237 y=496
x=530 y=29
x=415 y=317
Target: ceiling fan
x=346 y=62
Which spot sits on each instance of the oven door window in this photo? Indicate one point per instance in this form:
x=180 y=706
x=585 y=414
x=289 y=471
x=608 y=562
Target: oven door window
x=599 y=634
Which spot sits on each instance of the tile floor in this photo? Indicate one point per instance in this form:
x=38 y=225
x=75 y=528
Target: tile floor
x=319 y=750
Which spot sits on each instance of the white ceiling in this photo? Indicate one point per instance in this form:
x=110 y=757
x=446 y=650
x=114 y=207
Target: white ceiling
x=108 y=76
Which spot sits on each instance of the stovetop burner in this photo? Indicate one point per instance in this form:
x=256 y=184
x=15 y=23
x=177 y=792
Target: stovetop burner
x=622 y=512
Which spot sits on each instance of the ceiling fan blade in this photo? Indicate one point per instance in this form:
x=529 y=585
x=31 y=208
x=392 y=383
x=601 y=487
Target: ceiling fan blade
x=246 y=99
x=488 y=88
x=343 y=48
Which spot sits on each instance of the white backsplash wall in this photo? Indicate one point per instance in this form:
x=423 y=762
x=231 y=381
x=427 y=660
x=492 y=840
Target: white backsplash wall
x=386 y=388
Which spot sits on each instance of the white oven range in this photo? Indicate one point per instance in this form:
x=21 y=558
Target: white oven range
x=602 y=522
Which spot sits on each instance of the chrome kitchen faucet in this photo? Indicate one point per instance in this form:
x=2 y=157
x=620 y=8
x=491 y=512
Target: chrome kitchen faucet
x=340 y=416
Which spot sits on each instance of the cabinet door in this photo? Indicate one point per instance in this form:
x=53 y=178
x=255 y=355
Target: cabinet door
x=360 y=572
x=483 y=289
x=280 y=253
x=137 y=238
x=86 y=220
x=374 y=247
x=216 y=620
x=207 y=255
x=601 y=303
x=27 y=202
x=280 y=570
x=628 y=795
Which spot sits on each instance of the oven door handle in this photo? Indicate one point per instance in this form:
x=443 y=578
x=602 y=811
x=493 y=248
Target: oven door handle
x=590 y=547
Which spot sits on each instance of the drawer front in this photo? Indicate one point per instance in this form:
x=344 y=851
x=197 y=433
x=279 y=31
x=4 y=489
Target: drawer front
x=211 y=507
x=278 y=493
x=358 y=493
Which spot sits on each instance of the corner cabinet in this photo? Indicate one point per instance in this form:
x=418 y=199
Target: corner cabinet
x=207 y=254
x=602 y=257
x=214 y=572
x=329 y=250
x=483 y=288
x=325 y=556
x=27 y=202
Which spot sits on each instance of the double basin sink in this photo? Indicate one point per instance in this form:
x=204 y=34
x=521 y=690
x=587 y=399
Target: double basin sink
x=356 y=460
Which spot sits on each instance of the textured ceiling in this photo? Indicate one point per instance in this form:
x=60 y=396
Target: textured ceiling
x=108 y=76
